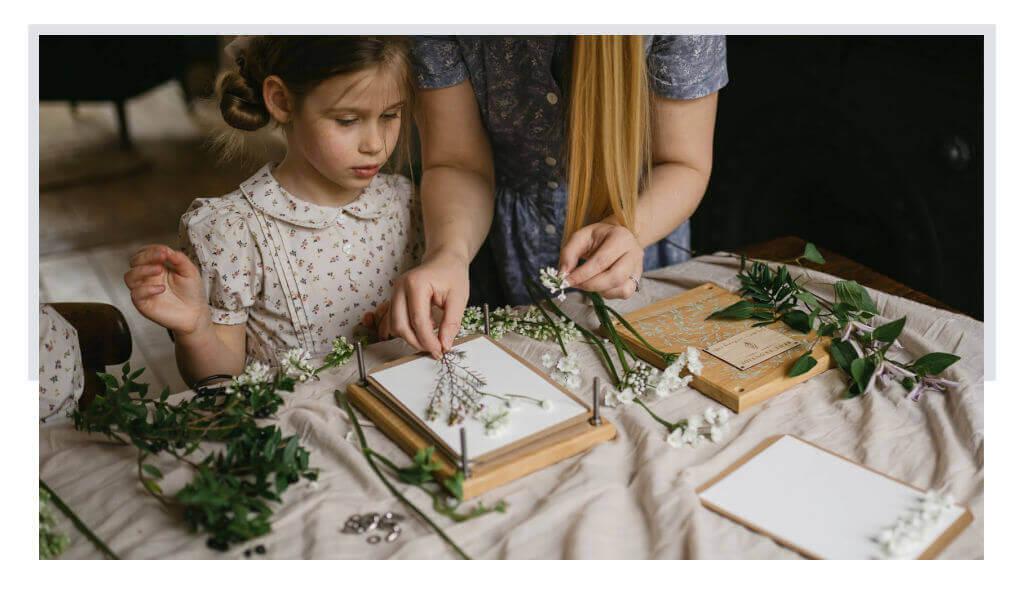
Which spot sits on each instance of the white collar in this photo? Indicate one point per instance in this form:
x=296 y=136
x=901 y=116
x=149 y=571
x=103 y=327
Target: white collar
x=266 y=194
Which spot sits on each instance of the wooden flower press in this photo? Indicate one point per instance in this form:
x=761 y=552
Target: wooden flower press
x=572 y=433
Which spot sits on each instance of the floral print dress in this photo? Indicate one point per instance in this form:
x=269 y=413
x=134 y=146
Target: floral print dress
x=520 y=84
x=61 y=377
x=297 y=274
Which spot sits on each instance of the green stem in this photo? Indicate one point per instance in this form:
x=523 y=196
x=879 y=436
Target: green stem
x=606 y=322
x=63 y=507
x=367 y=453
x=628 y=326
x=668 y=426
x=554 y=328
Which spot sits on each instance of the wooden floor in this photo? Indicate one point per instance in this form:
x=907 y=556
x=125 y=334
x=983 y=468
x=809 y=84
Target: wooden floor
x=99 y=204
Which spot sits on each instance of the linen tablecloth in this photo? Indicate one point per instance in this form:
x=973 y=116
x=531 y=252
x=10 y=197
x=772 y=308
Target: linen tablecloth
x=633 y=497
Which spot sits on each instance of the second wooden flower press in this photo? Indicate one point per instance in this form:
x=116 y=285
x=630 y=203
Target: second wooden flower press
x=396 y=397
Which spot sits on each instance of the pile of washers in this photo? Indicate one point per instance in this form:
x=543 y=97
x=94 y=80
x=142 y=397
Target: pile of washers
x=386 y=524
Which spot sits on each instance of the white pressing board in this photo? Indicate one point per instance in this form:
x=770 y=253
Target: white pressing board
x=820 y=504
x=413 y=382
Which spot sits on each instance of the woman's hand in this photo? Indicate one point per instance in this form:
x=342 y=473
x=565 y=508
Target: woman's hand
x=166 y=288
x=612 y=255
x=442 y=281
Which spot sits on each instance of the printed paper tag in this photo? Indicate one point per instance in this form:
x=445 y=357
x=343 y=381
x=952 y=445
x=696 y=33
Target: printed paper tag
x=752 y=347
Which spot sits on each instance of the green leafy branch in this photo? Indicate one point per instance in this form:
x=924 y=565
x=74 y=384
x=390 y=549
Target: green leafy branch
x=230 y=495
x=860 y=344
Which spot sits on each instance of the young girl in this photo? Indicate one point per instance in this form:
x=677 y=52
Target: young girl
x=307 y=248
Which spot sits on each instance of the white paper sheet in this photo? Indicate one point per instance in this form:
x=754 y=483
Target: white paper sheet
x=413 y=382
x=819 y=502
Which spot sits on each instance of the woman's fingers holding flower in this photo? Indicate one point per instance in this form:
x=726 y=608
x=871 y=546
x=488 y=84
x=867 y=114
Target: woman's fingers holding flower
x=608 y=243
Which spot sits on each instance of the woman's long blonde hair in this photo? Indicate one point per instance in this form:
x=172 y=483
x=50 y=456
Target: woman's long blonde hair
x=608 y=143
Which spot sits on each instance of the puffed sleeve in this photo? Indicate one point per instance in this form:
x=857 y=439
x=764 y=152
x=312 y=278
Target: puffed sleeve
x=214 y=234
x=687 y=67
x=437 y=62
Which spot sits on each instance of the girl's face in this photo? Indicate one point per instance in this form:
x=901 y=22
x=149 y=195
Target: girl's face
x=347 y=127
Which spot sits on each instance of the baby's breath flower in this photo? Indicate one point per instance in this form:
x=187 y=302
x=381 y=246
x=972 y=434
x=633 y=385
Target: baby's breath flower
x=256 y=373
x=495 y=419
x=295 y=364
x=554 y=281
x=693 y=363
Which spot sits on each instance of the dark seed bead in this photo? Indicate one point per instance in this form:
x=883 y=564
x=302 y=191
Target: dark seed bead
x=248 y=553
x=260 y=549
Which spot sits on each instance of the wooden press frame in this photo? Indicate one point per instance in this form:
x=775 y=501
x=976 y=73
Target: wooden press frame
x=929 y=553
x=492 y=469
x=740 y=395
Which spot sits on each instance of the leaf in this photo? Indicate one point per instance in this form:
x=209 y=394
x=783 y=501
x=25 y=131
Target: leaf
x=843 y=354
x=934 y=363
x=807 y=298
x=798 y=320
x=890 y=331
x=861 y=370
x=152 y=471
x=811 y=253
x=828 y=329
x=851 y=391
x=454 y=485
x=802 y=365
x=763 y=323
x=854 y=294
x=152 y=486
x=289 y=450
x=739 y=310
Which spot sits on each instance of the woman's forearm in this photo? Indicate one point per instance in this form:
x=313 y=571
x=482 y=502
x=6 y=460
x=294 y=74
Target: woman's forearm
x=458 y=205
x=672 y=196
x=205 y=352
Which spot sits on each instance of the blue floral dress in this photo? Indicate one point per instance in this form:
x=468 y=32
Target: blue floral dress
x=519 y=83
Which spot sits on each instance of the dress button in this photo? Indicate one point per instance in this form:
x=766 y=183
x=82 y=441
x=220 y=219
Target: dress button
x=552 y=185
x=550 y=161
x=550 y=229
x=552 y=98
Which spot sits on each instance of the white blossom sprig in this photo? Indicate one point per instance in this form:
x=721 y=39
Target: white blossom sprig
x=565 y=370
x=527 y=321
x=914 y=526
x=694 y=430
x=255 y=374
x=555 y=282
x=296 y=364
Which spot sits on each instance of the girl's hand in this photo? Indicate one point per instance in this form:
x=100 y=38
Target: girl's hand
x=166 y=288
x=379 y=320
x=441 y=281
x=612 y=253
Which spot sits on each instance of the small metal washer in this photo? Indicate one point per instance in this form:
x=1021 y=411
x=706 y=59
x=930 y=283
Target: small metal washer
x=373 y=539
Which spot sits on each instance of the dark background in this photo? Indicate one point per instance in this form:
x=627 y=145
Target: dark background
x=870 y=146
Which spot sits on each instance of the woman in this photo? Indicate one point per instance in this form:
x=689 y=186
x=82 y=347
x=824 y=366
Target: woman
x=604 y=140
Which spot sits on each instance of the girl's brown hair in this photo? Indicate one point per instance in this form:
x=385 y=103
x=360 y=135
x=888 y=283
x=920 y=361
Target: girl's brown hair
x=302 y=63
x=608 y=142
